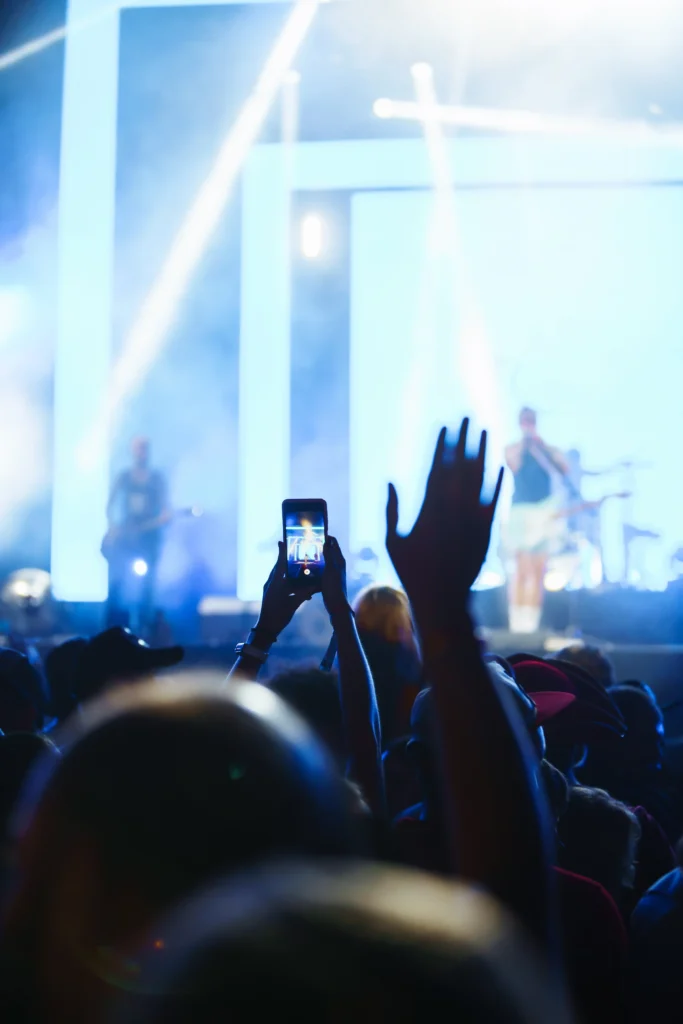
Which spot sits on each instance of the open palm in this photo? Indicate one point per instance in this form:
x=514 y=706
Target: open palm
x=441 y=557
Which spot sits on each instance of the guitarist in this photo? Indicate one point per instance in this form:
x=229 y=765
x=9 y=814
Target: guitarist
x=533 y=465
x=137 y=512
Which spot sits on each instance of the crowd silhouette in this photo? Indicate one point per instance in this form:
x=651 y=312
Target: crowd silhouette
x=424 y=832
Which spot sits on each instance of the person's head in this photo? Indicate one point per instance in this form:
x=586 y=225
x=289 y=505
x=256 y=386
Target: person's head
x=118 y=656
x=20 y=693
x=347 y=944
x=591 y=660
x=598 y=837
x=161 y=788
x=140 y=451
x=60 y=668
x=385 y=627
x=638 y=684
x=314 y=695
x=385 y=612
x=527 y=422
x=585 y=714
x=18 y=754
x=520 y=703
x=642 y=750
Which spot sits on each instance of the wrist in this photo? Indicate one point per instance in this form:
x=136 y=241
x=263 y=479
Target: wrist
x=446 y=621
x=262 y=637
x=342 y=615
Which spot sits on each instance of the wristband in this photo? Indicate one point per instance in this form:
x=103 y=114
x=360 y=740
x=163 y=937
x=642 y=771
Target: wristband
x=249 y=651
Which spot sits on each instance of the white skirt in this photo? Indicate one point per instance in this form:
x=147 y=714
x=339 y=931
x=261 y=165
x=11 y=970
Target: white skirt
x=534 y=528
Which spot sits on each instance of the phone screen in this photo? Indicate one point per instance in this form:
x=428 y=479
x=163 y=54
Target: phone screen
x=305 y=525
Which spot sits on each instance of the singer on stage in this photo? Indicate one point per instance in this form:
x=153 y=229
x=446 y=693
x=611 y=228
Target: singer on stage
x=532 y=520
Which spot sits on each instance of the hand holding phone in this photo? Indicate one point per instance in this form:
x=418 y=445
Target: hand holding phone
x=304 y=522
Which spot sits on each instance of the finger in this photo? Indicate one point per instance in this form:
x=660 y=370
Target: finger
x=392 y=512
x=336 y=548
x=496 y=493
x=461 y=446
x=298 y=598
x=481 y=457
x=437 y=461
x=481 y=460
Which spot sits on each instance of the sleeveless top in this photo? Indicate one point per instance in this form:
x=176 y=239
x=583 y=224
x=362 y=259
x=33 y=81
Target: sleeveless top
x=532 y=482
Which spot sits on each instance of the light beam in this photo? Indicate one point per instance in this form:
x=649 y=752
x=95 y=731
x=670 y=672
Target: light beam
x=147 y=335
x=526 y=121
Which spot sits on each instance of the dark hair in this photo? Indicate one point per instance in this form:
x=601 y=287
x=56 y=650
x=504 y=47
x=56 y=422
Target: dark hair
x=353 y=944
x=21 y=696
x=527 y=411
x=18 y=754
x=599 y=839
x=314 y=695
x=61 y=666
x=591 y=660
x=177 y=782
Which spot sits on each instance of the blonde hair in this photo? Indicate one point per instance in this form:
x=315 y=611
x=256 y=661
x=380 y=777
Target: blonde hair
x=386 y=611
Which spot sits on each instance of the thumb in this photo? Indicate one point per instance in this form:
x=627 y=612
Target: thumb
x=392 y=512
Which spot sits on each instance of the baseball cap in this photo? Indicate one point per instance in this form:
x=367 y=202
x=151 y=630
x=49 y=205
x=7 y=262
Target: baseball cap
x=555 y=686
x=117 y=655
x=533 y=712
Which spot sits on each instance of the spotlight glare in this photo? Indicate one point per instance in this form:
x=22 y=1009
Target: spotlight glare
x=383 y=108
x=148 y=333
x=312 y=236
x=422 y=71
x=489 y=579
x=556 y=580
x=140 y=567
x=292 y=77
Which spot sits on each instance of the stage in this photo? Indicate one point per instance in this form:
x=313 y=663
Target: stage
x=354 y=283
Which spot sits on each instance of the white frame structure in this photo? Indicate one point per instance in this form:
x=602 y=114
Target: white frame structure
x=86 y=242
x=87 y=198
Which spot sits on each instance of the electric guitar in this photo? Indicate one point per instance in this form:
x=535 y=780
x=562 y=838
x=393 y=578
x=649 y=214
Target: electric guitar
x=129 y=536
x=588 y=506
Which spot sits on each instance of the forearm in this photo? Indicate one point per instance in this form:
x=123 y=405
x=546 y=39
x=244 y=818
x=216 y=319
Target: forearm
x=248 y=666
x=493 y=808
x=360 y=715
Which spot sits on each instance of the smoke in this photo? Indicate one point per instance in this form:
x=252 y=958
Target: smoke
x=26 y=305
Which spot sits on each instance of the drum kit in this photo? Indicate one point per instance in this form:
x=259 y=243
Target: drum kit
x=576 y=554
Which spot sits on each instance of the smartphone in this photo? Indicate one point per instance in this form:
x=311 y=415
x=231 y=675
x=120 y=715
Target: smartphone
x=304 y=522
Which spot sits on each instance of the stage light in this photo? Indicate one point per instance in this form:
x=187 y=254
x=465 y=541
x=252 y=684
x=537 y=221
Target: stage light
x=421 y=72
x=146 y=338
x=556 y=580
x=383 y=108
x=27 y=601
x=489 y=579
x=644 y=132
x=292 y=77
x=311 y=236
x=140 y=567
x=26 y=587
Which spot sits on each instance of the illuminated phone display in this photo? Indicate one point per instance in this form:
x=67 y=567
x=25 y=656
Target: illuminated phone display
x=305 y=528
